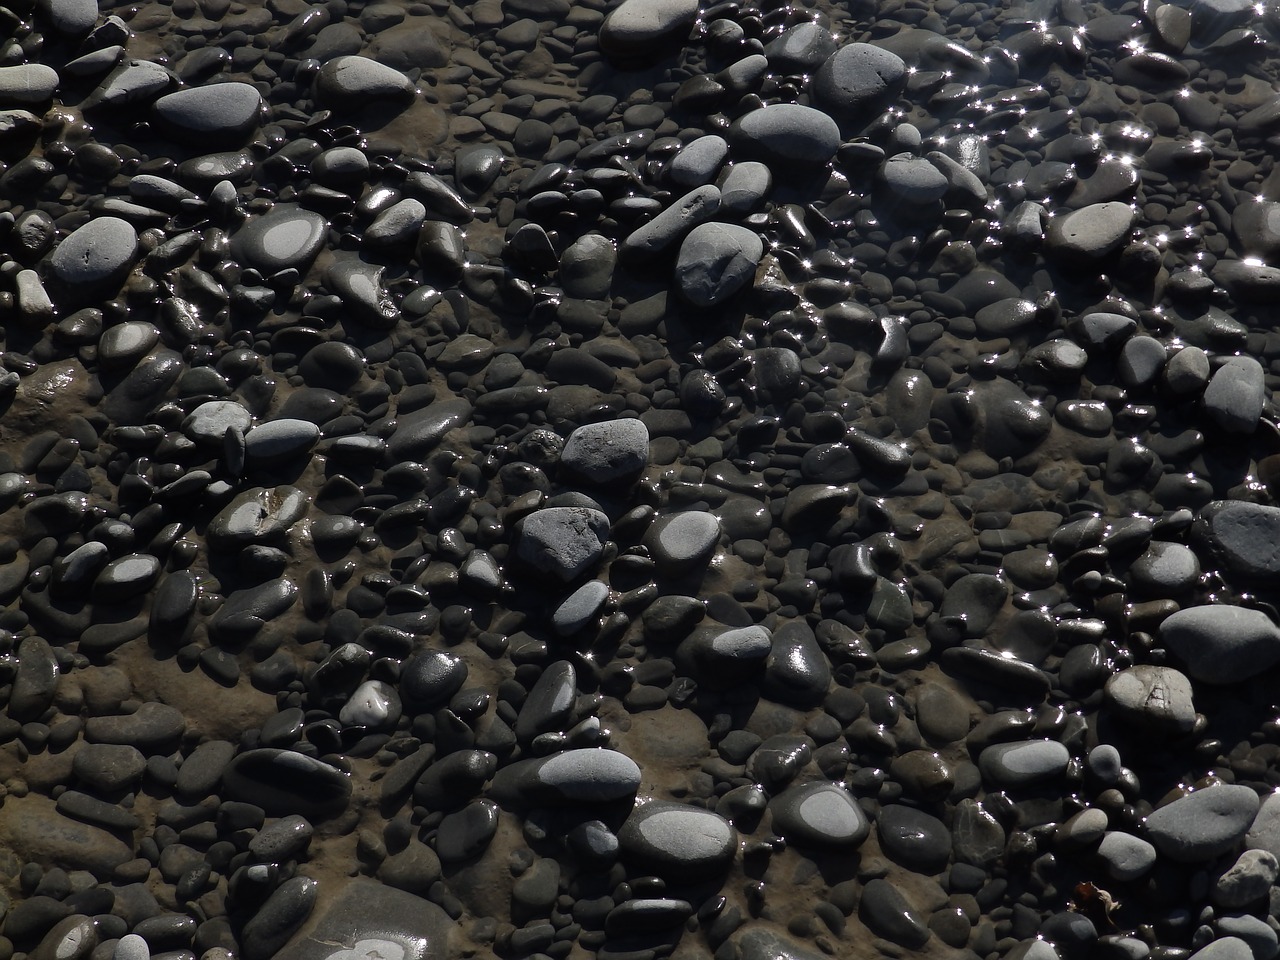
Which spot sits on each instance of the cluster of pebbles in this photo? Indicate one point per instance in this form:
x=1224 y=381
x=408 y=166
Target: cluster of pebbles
x=549 y=478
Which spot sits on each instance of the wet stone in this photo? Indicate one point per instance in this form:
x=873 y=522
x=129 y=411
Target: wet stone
x=1020 y=764
x=683 y=543
x=886 y=911
x=1092 y=232
x=1235 y=395
x=913 y=838
x=288 y=237
x=93 y=260
x=678 y=841
x=819 y=814
x=283 y=782
x=637 y=32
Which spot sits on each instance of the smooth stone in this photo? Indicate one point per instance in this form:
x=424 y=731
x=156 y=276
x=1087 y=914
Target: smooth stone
x=1166 y=570
x=550 y=702
x=678 y=841
x=682 y=543
x=917 y=840
x=607 y=452
x=288 y=237
x=564 y=542
x=363 y=293
x=126 y=577
x=1242 y=535
x=859 y=80
x=745 y=187
x=585 y=775
x=259 y=515
x=1091 y=233
x=586 y=267
x=220 y=114
x=580 y=608
x=783 y=134
x=1222 y=644
x=1256 y=933
x=649 y=240
x=698 y=162
x=637 y=32
x=819 y=814
x=350 y=83
x=421 y=431
x=284 y=911
x=209 y=422
x=761 y=943
x=1153 y=698
x=887 y=913
x=431 y=678
x=1236 y=394
x=154 y=728
x=27 y=85
x=1126 y=857
x=374 y=705
x=797 y=671
x=716 y=260
x=283 y=840
x=1204 y=824
x=246 y=611
x=283 y=782
x=93 y=260
x=800 y=49
x=368 y=920
x=279 y=440
x=1020 y=764
x=913 y=180
x=109 y=767
x=1264 y=832
x=1225 y=948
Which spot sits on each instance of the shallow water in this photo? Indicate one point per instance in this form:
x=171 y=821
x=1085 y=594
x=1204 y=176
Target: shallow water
x=542 y=478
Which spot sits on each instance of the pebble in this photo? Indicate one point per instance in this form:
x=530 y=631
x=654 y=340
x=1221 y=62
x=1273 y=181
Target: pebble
x=93 y=260
x=678 y=841
x=859 y=80
x=1020 y=764
x=819 y=814
x=1235 y=395
x=1153 y=698
x=638 y=32
x=1090 y=233
x=1221 y=643
x=608 y=452
x=786 y=133
x=286 y=238
x=1204 y=824
x=716 y=261
x=351 y=82
x=220 y=114
x=1126 y=857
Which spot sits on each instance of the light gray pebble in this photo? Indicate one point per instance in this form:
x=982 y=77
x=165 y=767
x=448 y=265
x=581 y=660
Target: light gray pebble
x=1204 y=824
x=1126 y=857
x=1221 y=643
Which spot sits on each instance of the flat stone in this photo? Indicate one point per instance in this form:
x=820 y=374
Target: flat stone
x=1019 y=764
x=1092 y=232
x=1221 y=643
x=283 y=782
x=681 y=543
x=352 y=82
x=678 y=841
x=638 y=32
x=27 y=85
x=287 y=237
x=781 y=134
x=1126 y=857
x=1235 y=395
x=93 y=260
x=220 y=114
x=819 y=814
x=1153 y=698
x=1204 y=824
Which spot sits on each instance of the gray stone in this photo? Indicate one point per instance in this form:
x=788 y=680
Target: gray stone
x=1243 y=536
x=1235 y=395
x=638 y=32
x=1166 y=570
x=859 y=80
x=93 y=260
x=280 y=440
x=351 y=83
x=284 y=782
x=678 y=841
x=698 y=161
x=745 y=187
x=681 y=543
x=1221 y=643
x=563 y=542
x=1019 y=764
x=219 y=114
x=1092 y=232
x=784 y=134
x=607 y=452
x=1126 y=857
x=717 y=260
x=1246 y=881
x=1204 y=824
x=287 y=237
x=1264 y=832
x=367 y=920
x=800 y=49
x=662 y=232
x=913 y=180
x=260 y=515
x=819 y=814
x=1152 y=698
x=27 y=85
